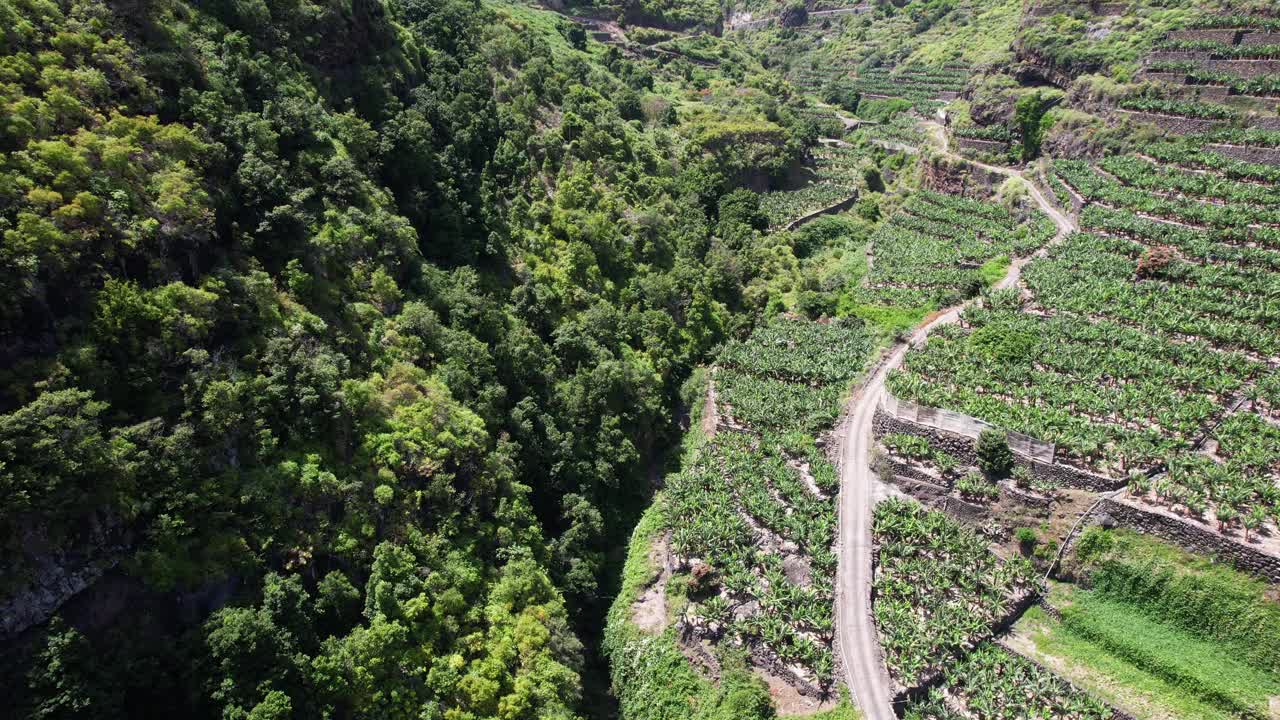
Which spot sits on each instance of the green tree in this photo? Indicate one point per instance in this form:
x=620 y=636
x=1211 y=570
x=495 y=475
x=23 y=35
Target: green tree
x=995 y=459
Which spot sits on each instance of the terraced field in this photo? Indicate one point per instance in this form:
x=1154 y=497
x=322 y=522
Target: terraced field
x=835 y=176
x=753 y=514
x=939 y=249
x=993 y=684
x=926 y=87
x=1149 y=339
x=938 y=589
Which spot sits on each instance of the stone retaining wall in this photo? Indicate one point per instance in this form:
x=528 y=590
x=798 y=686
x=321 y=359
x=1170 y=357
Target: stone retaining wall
x=691 y=636
x=1031 y=501
x=1174 y=123
x=971 y=514
x=838 y=207
x=1260 y=38
x=1266 y=123
x=991 y=146
x=1177 y=55
x=1242 y=68
x=962 y=448
x=1226 y=37
x=1050 y=609
x=1171 y=78
x=1215 y=93
x=905 y=470
x=1261 y=156
x=1189 y=537
x=927 y=492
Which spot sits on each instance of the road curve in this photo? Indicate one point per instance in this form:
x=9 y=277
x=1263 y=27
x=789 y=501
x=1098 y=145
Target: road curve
x=864 y=667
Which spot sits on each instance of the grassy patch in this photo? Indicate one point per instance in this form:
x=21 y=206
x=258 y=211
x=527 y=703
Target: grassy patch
x=1141 y=662
x=886 y=320
x=1209 y=600
x=1111 y=678
x=1200 y=668
x=846 y=710
x=986 y=40
x=993 y=270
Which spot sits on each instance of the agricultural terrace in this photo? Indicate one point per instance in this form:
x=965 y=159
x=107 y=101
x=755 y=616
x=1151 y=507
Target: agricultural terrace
x=1177 y=634
x=1151 y=337
x=938 y=589
x=753 y=512
x=1193 y=73
x=742 y=507
x=939 y=249
x=825 y=118
x=1111 y=397
x=791 y=374
x=836 y=176
x=814 y=79
x=901 y=129
x=993 y=684
x=926 y=87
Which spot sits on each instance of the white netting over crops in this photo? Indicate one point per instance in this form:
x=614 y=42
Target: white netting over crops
x=960 y=424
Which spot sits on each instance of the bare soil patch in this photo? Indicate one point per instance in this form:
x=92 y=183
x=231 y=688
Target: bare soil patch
x=649 y=612
x=710 y=419
x=788 y=699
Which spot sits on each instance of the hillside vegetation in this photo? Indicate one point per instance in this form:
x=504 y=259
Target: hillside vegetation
x=463 y=359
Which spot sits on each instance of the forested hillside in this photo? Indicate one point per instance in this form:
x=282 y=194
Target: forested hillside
x=341 y=340
x=639 y=359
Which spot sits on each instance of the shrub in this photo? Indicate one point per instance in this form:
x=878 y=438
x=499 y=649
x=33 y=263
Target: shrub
x=973 y=486
x=1027 y=540
x=946 y=462
x=908 y=445
x=1022 y=477
x=1044 y=486
x=995 y=459
x=1094 y=543
x=1046 y=551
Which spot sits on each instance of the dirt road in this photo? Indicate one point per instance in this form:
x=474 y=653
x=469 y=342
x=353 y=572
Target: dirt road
x=860 y=653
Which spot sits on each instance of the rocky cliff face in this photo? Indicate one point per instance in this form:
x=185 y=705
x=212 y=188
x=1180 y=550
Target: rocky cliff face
x=54 y=574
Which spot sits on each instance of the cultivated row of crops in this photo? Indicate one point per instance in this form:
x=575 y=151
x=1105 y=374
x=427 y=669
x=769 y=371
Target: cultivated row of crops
x=922 y=85
x=993 y=684
x=1098 y=275
x=938 y=589
x=1237 y=493
x=800 y=351
x=901 y=128
x=735 y=506
x=836 y=175
x=939 y=249
x=1237 y=22
x=1152 y=335
x=756 y=504
x=1193 y=73
x=1111 y=397
x=1100 y=188
x=1145 y=174
x=1217 y=50
x=1191 y=152
x=1180 y=108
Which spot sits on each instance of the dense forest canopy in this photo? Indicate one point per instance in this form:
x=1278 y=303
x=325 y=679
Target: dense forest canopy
x=339 y=341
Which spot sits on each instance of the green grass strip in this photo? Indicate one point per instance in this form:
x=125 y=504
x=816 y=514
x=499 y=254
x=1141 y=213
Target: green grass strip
x=1189 y=663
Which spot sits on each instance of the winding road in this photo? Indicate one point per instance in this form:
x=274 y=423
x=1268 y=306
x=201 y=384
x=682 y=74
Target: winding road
x=864 y=667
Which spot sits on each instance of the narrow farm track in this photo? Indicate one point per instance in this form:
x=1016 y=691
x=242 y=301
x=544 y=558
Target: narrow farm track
x=865 y=671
